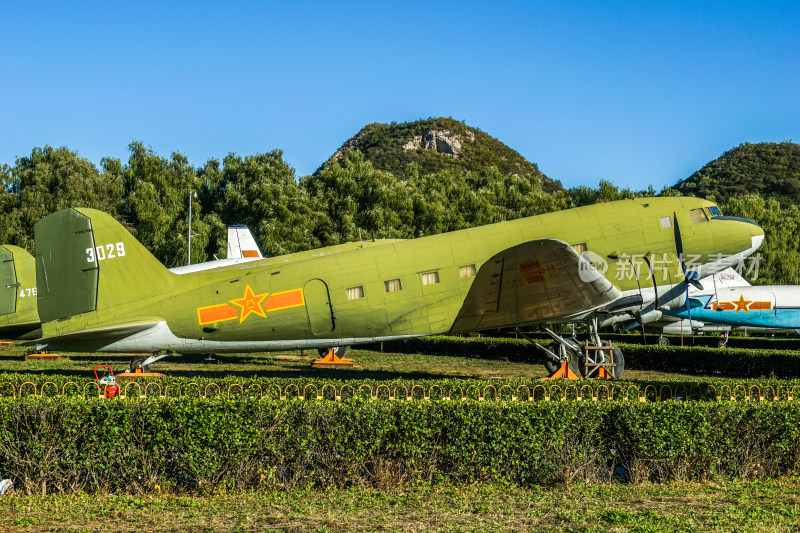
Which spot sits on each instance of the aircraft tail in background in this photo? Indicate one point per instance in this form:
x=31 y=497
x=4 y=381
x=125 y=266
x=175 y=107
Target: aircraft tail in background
x=17 y=292
x=241 y=243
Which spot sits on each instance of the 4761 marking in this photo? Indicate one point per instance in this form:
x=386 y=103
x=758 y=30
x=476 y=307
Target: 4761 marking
x=102 y=252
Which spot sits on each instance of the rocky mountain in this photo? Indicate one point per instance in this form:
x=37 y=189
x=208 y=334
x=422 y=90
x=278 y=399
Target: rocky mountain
x=771 y=170
x=435 y=144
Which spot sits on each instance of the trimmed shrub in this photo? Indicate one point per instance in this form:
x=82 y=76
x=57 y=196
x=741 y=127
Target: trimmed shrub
x=187 y=444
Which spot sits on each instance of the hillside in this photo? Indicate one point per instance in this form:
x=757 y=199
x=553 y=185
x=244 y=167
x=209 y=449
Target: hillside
x=436 y=144
x=771 y=170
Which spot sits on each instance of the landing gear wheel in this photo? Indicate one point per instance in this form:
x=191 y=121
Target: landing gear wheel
x=137 y=363
x=339 y=351
x=574 y=355
x=619 y=361
x=663 y=341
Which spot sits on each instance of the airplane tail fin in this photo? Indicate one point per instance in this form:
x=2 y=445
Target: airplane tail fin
x=241 y=243
x=87 y=261
x=730 y=278
x=17 y=281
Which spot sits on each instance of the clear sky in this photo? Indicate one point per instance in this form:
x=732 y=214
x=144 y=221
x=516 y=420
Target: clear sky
x=634 y=92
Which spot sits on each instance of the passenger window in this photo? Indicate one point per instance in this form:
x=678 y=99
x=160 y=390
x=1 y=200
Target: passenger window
x=466 y=271
x=393 y=285
x=354 y=293
x=698 y=216
x=430 y=278
x=666 y=222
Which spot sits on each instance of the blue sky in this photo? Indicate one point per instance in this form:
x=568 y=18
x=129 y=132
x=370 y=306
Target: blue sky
x=634 y=92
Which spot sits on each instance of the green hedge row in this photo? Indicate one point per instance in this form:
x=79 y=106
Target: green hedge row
x=738 y=362
x=15 y=385
x=66 y=444
x=782 y=341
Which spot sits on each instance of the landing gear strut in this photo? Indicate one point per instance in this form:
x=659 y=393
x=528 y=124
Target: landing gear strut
x=141 y=364
x=598 y=359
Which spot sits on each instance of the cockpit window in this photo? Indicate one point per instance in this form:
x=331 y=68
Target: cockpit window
x=698 y=216
x=715 y=212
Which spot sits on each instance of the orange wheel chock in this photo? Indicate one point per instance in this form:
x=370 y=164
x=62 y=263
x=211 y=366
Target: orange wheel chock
x=331 y=359
x=563 y=372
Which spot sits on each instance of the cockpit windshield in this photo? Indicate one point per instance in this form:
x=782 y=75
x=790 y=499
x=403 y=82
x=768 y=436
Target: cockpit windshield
x=698 y=216
x=715 y=212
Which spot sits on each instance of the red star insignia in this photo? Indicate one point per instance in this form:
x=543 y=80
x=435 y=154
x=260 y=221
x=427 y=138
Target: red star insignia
x=741 y=304
x=251 y=303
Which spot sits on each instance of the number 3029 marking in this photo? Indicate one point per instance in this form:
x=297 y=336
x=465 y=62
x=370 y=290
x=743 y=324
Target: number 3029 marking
x=102 y=252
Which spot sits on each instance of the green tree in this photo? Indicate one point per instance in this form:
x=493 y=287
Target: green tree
x=779 y=255
x=261 y=192
x=157 y=192
x=48 y=180
x=359 y=202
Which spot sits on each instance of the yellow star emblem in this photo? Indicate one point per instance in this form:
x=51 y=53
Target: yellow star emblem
x=251 y=303
x=741 y=304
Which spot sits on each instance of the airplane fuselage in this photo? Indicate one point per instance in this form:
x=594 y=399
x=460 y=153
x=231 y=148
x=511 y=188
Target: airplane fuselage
x=360 y=292
x=766 y=306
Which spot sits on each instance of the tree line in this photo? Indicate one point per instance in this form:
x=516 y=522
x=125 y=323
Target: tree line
x=343 y=201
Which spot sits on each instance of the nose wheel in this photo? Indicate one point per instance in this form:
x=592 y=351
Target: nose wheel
x=138 y=366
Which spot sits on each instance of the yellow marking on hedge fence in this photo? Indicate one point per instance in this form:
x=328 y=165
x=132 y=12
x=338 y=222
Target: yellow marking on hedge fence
x=417 y=392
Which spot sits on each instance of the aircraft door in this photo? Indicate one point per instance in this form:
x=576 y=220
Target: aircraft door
x=318 y=307
x=8 y=282
x=773 y=304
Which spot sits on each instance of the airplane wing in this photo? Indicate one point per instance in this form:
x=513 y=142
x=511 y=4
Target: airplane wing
x=97 y=334
x=537 y=281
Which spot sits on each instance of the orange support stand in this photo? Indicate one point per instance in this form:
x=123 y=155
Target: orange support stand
x=563 y=372
x=135 y=375
x=44 y=354
x=332 y=360
x=602 y=373
x=6 y=343
x=600 y=370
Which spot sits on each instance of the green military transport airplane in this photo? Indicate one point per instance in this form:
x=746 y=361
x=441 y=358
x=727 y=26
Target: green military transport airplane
x=18 y=316
x=101 y=290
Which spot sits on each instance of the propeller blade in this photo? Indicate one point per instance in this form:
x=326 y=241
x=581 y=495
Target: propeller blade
x=691 y=276
x=678 y=241
x=653 y=277
x=689 y=311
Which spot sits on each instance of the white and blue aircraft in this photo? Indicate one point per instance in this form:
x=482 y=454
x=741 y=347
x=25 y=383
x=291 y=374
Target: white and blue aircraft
x=721 y=306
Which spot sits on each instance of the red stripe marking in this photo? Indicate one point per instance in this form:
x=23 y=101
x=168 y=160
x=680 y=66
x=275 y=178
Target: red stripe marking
x=283 y=300
x=217 y=313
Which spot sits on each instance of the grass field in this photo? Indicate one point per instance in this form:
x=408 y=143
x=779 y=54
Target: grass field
x=768 y=506
x=368 y=365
